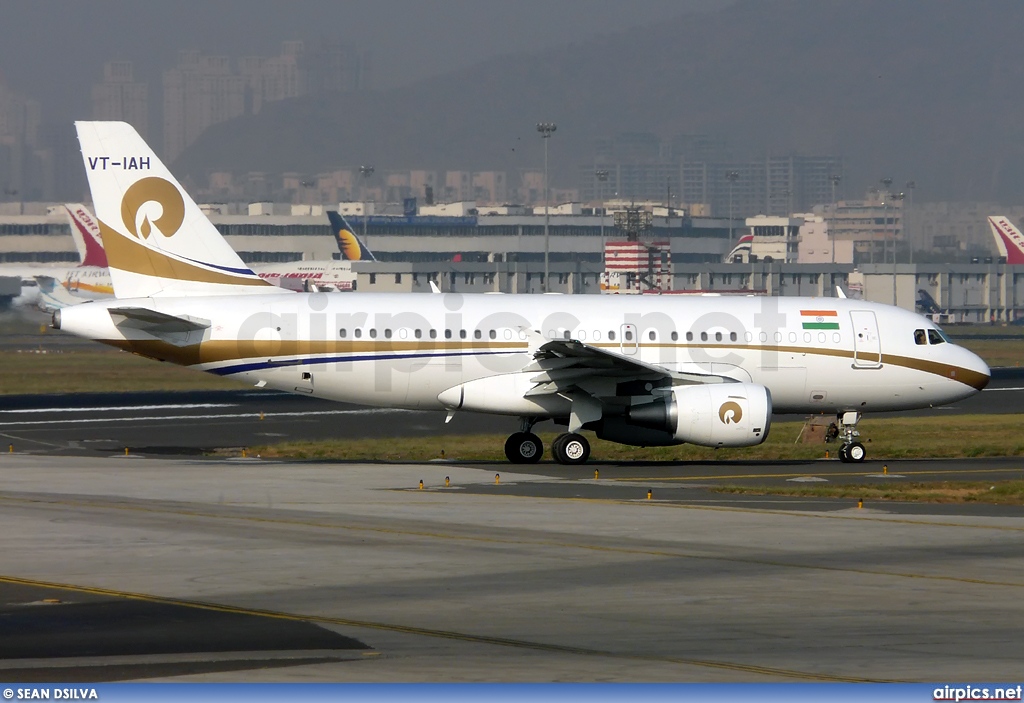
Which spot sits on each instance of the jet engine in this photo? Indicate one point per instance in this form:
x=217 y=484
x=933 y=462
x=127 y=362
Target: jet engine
x=718 y=415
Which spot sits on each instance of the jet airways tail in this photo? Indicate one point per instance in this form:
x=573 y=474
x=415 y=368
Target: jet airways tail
x=352 y=249
x=157 y=240
x=86 y=233
x=1009 y=240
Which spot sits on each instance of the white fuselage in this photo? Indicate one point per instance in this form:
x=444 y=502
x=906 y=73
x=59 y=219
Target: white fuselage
x=404 y=350
x=336 y=275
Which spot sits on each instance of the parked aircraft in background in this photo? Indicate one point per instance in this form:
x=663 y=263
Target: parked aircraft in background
x=88 y=279
x=642 y=370
x=1009 y=239
x=329 y=275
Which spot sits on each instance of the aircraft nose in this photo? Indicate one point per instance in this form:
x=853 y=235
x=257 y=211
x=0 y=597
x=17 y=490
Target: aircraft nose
x=978 y=371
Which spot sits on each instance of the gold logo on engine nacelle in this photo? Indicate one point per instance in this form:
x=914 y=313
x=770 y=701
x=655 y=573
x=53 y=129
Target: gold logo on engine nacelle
x=158 y=190
x=730 y=413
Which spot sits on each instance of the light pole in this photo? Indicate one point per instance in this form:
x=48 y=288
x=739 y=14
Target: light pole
x=898 y=197
x=366 y=172
x=906 y=229
x=887 y=182
x=601 y=175
x=835 y=182
x=732 y=177
x=546 y=129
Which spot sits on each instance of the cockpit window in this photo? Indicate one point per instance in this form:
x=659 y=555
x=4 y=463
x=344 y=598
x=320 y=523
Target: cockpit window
x=919 y=337
x=935 y=337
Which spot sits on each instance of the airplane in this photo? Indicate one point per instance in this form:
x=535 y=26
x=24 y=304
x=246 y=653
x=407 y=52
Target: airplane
x=54 y=296
x=89 y=279
x=741 y=252
x=329 y=275
x=654 y=370
x=1009 y=240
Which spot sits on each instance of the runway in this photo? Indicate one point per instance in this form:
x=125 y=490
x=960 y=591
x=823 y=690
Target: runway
x=190 y=423
x=540 y=577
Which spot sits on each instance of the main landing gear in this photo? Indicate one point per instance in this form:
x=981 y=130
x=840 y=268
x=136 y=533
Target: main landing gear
x=524 y=447
x=852 y=451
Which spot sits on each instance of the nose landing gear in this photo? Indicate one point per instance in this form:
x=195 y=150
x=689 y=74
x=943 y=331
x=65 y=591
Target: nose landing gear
x=852 y=451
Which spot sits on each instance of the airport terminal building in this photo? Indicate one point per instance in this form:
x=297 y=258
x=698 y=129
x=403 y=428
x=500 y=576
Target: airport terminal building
x=503 y=252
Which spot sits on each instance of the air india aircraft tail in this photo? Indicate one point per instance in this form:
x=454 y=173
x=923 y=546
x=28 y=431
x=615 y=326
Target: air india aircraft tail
x=352 y=249
x=1009 y=240
x=158 y=242
x=86 y=233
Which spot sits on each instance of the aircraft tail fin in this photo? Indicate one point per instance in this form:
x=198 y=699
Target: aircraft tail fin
x=1009 y=240
x=741 y=250
x=351 y=247
x=86 y=233
x=54 y=296
x=157 y=240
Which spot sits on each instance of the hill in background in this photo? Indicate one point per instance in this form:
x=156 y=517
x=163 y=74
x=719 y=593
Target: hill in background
x=928 y=90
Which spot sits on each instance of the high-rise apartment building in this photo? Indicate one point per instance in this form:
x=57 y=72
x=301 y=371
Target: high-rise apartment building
x=121 y=97
x=199 y=92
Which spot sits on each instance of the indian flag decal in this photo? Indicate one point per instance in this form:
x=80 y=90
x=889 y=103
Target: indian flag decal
x=820 y=319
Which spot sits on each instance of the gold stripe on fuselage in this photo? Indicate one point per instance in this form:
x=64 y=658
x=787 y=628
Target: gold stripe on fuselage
x=219 y=351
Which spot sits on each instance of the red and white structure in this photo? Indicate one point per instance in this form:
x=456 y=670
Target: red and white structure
x=637 y=267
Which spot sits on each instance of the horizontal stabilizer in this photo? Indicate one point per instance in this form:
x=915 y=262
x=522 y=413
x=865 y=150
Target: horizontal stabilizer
x=178 y=330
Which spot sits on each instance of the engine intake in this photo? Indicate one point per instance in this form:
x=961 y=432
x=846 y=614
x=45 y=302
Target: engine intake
x=719 y=415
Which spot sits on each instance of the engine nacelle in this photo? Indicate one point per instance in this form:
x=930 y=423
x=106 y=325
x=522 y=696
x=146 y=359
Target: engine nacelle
x=718 y=415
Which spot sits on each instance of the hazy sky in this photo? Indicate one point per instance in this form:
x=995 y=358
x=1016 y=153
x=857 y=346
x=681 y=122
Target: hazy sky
x=54 y=51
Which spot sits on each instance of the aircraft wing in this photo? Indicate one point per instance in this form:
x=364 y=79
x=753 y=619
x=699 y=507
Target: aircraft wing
x=594 y=378
x=178 y=330
x=575 y=359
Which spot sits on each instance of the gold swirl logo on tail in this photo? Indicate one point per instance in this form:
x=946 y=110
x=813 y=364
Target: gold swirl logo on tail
x=730 y=412
x=158 y=190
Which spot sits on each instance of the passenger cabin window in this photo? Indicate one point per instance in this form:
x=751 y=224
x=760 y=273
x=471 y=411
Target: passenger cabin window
x=703 y=336
x=611 y=335
x=651 y=335
x=343 y=333
x=675 y=336
x=934 y=337
x=359 y=333
x=477 y=334
x=919 y=337
x=689 y=336
x=433 y=334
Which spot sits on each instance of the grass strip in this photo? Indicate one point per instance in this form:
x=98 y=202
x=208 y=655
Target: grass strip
x=989 y=492
x=960 y=436
x=101 y=371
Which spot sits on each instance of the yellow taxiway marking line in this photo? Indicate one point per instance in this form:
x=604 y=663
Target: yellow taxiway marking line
x=476 y=538
x=665 y=479
x=442 y=634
